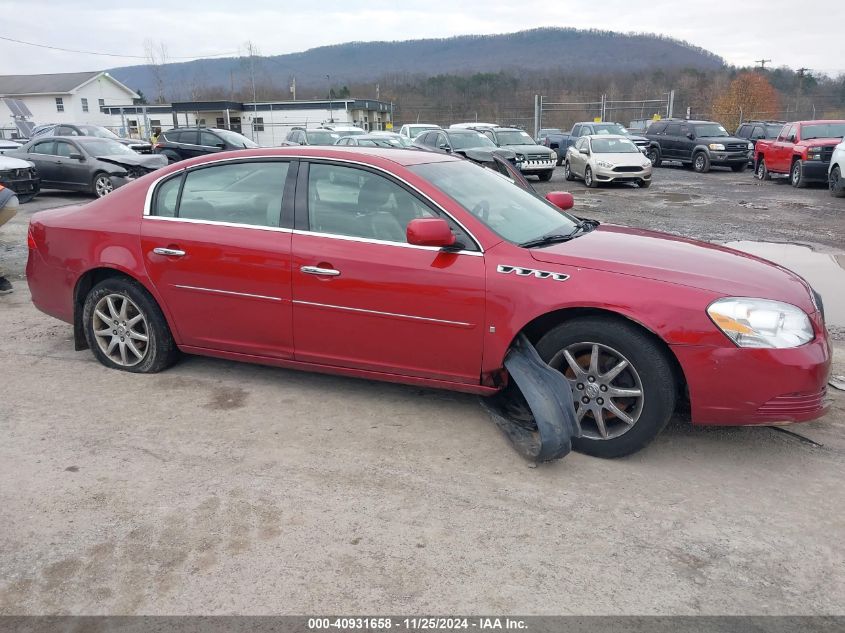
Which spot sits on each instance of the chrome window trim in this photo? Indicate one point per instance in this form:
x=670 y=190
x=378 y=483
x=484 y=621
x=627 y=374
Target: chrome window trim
x=260 y=227
x=389 y=314
x=228 y=292
x=367 y=240
x=154 y=185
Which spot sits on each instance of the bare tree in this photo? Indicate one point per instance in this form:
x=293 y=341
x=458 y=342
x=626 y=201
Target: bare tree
x=157 y=56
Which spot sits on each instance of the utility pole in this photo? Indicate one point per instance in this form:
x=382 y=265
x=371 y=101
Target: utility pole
x=762 y=63
x=331 y=115
x=293 y=88
x=801 y=72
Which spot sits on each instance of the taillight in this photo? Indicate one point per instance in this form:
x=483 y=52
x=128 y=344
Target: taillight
x=30 y=239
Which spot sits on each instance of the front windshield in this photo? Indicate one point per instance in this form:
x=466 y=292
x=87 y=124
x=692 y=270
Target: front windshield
x=233 y=138
x=349 y=132
x=509 y=210
x=610 y=128
x=710 y=130
x=515 y=138
x=99 y=132
x=105 y=147
x=772 y=131
x=321 y=138
x=613 y=146
x=469 y=139
x=822 y=130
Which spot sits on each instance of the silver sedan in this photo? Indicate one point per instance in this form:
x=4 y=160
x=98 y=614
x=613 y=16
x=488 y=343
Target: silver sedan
x=600 y=158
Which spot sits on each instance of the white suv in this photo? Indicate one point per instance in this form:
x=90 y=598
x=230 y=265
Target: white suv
x=413 y=130
x=836 y=171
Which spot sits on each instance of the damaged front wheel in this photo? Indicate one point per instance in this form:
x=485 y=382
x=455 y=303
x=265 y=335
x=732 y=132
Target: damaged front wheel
x=623 y=385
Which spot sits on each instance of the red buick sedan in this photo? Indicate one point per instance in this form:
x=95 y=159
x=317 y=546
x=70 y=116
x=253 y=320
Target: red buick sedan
x=422 y=268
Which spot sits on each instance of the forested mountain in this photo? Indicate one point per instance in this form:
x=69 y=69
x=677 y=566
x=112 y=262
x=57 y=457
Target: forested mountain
x=545 y=49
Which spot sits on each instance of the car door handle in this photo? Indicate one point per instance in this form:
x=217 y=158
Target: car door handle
x=170 y=252
x=316 y=270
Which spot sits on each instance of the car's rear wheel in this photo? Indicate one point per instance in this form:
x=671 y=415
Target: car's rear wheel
x=762 y=172
x=567 y=171
x=653 y=155
x=546 y=176
x=796 y=175
x=837 y=186
x=126 y=329
x=622 y=382
x=589 y=179
x=102 y=185
x=701 y=163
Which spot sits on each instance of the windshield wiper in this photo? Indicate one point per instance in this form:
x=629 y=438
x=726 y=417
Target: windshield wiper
x=557 y=238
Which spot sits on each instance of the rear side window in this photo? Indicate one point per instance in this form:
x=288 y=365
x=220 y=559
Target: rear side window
x=171 y=137
x=673 y=130
x=189 y=137
x=207 y=139
x=656 y=128
x=239 y=193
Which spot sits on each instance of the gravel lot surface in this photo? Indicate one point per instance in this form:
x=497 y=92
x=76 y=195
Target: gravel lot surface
x=219 y=487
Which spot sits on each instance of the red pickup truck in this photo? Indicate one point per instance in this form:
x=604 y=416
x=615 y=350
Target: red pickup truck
x=802 y=150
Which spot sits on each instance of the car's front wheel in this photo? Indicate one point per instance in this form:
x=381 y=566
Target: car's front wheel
x=837 y=185
x=589 y=179
x=796 y=175
x=126 y=329
x=701 y=163
x=762 y=172
x=622 y=382
x=567 y=171
x=653 y=155
x=102 y=185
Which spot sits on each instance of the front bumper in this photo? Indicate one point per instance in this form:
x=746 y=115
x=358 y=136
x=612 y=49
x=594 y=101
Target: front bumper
x=816 y=170
x=740 y=386
x=603 y=174
x=21 y=185
x=729 y=158
x=534 y=166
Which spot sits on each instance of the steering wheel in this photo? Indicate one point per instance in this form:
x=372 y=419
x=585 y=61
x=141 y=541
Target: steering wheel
x=482 y=210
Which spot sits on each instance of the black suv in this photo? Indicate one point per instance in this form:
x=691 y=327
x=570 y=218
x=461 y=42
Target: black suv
x=302 y=136
x=187 y=142
x=753 y=131
x=467 y=143
x=700 y=144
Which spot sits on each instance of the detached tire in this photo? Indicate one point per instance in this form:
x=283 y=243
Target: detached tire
x=622 y=382
x=701 y=163
x=125 y=328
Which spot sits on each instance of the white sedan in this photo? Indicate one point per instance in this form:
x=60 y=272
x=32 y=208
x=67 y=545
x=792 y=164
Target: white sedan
x=607 y=158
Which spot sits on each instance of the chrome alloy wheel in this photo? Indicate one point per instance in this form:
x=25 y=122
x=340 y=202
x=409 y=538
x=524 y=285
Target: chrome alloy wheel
x=103 y=185
x=121 y=330
x=606 y=388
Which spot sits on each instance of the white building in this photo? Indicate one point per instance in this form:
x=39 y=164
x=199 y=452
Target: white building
x=99 y=99
x=64 y=97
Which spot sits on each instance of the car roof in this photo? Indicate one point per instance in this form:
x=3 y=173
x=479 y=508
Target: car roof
x=614 y=136
x=366 y=155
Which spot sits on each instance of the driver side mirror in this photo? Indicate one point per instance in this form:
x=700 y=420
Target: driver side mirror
x=445 y=147
x=585 y=151
x=220 y=145
x=561 y=199
x=429 y=232
x=690 y=136
x=76 y=157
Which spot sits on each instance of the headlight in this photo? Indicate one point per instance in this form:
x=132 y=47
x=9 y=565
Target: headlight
x=604 y=163
x=520 y=156
x=814 y=153
x=552 y=156
x=751 y=146
x=717 y=146
x=761 y=322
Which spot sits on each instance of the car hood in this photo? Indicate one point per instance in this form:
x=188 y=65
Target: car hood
x=528 y=149
x=486 y=153
x=150 y=161
x=623 y=159
x=10 y=162
x=720 y=139
x=677 y=260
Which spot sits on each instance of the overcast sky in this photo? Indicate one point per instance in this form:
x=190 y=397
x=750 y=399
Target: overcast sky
x=809 y=33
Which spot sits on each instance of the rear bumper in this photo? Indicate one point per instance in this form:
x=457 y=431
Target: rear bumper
x=733 y=386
